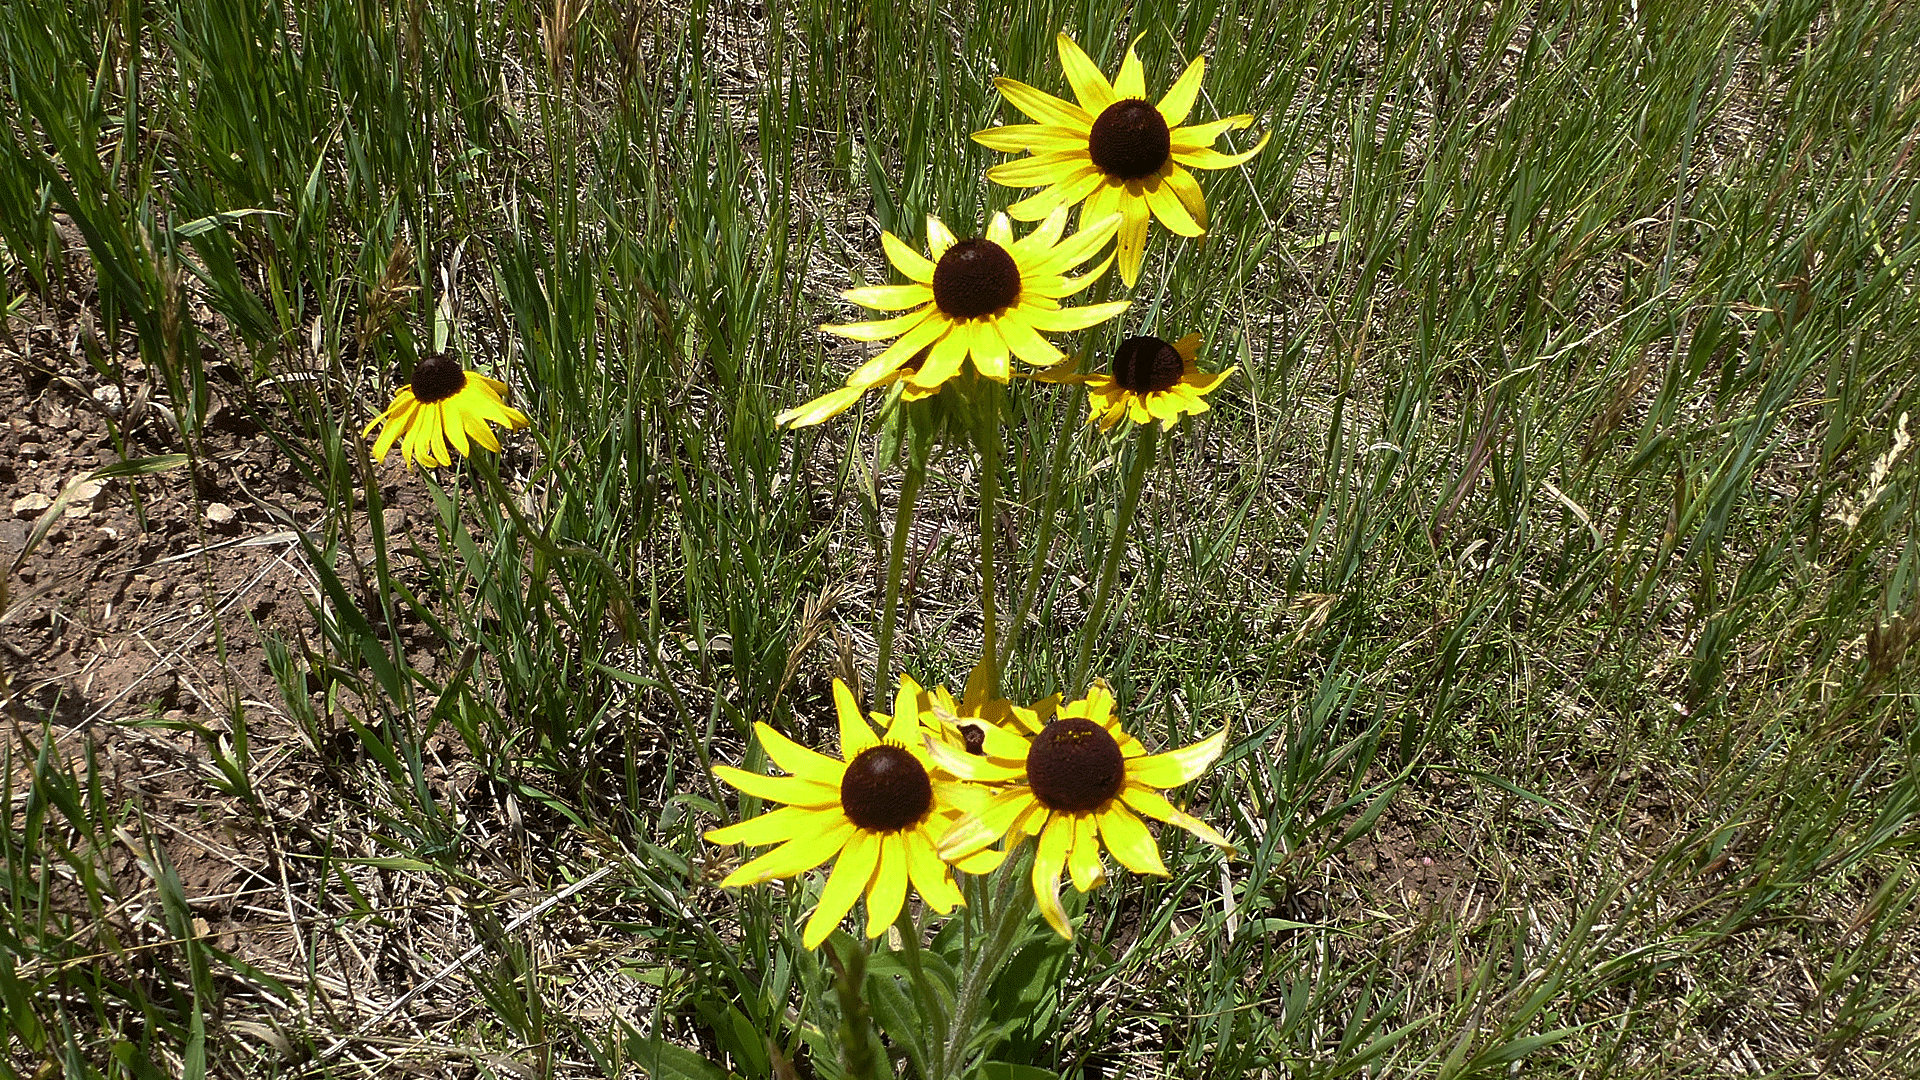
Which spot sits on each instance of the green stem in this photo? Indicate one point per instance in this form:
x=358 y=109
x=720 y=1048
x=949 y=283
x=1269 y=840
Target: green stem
x=896 y=561
x=1002 y=925
x=1043 y=545
x=856 y=1019
x=1144 y=449
x=987 y=436
x=923 y=993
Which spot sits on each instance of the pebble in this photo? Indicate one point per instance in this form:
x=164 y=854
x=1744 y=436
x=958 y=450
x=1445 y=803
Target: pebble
x=30 y=505
x=112 y=399
x=221 y=516
x=81 y=501
x=32 y=451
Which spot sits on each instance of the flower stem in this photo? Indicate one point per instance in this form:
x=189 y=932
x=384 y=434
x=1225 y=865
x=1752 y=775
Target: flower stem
x=1002 y=925
x=924 y=995
x=896 y=561
x=986 y=434
x=1043 y=545
x=1144 y=449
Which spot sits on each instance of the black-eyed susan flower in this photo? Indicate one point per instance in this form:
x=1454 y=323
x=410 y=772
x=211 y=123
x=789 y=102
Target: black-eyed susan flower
x=444 y=404
x=1113 y=151
x=1079 y=783
x=979 y=301
x=878 y=812
x=1151 y=380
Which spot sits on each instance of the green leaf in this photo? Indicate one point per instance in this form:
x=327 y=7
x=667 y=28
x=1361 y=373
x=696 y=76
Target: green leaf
x=1006 y=1070
x=736 y=1035
x=661 y=1060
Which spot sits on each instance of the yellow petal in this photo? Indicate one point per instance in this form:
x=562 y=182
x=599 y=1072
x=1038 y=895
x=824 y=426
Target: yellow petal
x=984 y=826
x=1187 y=189
x=1052 y=168
x=916 y=266
x=990 y=348
x=1027 y=344
x=1033 y=138
x=890 y=297
x=1205 y=157
x=1133 y=239
x=1176 y=767
x=939 y=239
x=1155 y=805
x=772 y=828
x=855 y=733
x=1048 y=862
x=1127 y=837
x=1093 y=235
x=801 y=761
x=1029 y=249
x=851 y=876
x=1044 y=107
x=791 y=790
x=1083 y=858
x=796 y=856
x=821 y=409
x=903 y=349
x=1168 y=207
x=1000 y=230
x=881 y=329
x=931 y=878
x=1091 y=87
x=1179 y=100
x=1132 y=80
x=1201 y=136
x=1080 y=318
x=1066 y=193
x=889 y=889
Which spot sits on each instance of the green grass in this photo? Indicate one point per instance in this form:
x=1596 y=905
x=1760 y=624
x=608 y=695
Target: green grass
x=1530 y=538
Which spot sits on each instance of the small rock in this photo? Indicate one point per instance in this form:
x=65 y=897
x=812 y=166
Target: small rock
x=27 y=506
x=112 y=399
x=81 y=501
x=32 y=451
x=221 y=516
x=394 y=519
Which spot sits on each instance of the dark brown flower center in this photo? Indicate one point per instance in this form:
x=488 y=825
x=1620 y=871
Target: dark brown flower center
x=975 y=737
x=1074 y=766
x=1147 y=365
x=437 y=378
x=1130 y=140
x=885 y=789
x=974 y=278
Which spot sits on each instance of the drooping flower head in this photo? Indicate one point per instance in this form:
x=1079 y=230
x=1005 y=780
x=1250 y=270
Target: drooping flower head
x=979 y=301
x=878 y=811
x=1151 y=380
x=1078 y=783
x=1113 y=150
x=965 y=724
x=444 y=404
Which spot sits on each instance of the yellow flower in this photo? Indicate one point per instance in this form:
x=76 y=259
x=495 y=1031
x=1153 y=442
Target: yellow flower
x=1151 y=380
x=980 y=300
x=1113 y=150
x=444 y=404
x=1079 y=783
x=878 y=809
